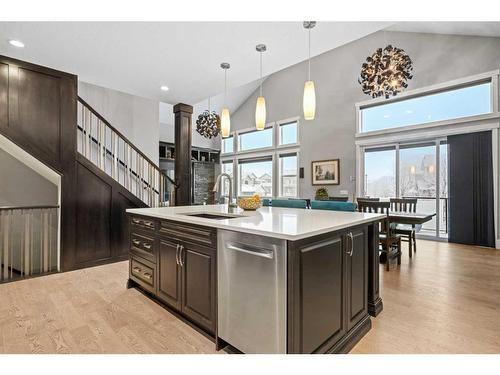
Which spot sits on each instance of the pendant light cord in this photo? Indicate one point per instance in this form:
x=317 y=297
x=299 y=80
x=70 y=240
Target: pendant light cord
x=309 y=59
x=260 y=73
x=225 y=86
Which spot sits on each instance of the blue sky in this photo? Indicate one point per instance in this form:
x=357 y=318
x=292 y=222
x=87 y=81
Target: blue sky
x=467 y=101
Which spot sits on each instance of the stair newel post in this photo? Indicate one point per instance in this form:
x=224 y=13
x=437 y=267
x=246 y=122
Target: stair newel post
x=183 y=113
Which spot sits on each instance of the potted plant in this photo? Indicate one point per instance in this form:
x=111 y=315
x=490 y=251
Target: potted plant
x=321 y=194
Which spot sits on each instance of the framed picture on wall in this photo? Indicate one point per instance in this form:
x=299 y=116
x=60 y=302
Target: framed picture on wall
x=326 y=172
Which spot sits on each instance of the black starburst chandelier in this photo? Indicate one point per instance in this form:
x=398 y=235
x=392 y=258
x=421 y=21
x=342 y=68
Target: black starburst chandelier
x=386 y=72
x=208 y=123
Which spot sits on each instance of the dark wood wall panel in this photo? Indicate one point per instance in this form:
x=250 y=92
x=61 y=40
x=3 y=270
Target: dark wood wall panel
x=38 y=112
x=39 y=106
x=93 y=217
x=4 y=95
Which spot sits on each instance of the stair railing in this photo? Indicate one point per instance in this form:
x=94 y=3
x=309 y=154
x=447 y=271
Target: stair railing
x=28 y=241
x=108 y=149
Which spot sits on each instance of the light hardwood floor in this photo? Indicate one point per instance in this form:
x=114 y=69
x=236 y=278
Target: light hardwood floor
x=445 y=300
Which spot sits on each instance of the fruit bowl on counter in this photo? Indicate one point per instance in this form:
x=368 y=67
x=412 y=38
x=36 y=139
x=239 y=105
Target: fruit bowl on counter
x=250 y=203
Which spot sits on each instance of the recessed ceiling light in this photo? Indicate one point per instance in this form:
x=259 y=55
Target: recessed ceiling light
x=164 y=88
x=16 y=43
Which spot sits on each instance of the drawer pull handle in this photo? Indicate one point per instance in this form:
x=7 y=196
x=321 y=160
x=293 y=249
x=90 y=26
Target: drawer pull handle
x=149 y=224
x=136 y=221
x=147 y=246
x=148 y=276
x=136 y=242
x=137 y=269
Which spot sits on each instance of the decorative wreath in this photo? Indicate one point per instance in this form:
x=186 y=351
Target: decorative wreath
x=385 y=72
x=208 y=124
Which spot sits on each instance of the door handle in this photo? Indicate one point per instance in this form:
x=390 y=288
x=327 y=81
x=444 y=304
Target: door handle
x=351 y=237
x=257 y=251
x=181 y=254
x=177 y=254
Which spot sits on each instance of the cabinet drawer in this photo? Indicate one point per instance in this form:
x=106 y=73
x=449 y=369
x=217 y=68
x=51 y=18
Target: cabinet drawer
x=142 y=223
x=143 y=273
x=143 y=246
x=202 y=235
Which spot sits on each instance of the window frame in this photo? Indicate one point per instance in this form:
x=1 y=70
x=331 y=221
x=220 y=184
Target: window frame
x=488 y=77
x=223 y=151
x=281 y=123
x=273 y=152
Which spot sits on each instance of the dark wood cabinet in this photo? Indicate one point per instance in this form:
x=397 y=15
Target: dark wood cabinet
x=356 y=272
x=327 y=295
x=169 y=274
x=198 y=284
x=185 y=260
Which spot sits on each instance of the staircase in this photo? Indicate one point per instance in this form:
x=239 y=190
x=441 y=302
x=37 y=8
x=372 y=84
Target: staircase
x=109 y=150
x=101 y=175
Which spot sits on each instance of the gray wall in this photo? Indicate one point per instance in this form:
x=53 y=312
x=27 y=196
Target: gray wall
x=22 y=186
x=436 y=58
x=135 y=117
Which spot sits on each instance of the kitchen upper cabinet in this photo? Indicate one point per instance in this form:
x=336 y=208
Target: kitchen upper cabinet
x=169 y=274
x=356 y=263
x=198 y=284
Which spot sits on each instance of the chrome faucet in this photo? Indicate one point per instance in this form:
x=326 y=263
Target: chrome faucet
x=217 y=186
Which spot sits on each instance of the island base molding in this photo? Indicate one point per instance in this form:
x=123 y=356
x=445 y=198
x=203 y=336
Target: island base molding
x=375 y=307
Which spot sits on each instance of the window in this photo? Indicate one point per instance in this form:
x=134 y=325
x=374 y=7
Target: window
x=227 y=167
x=256 y=139
x=380 y=172
x=256 y=177
x=288 y=175
x=446 y=105
x=265 y=162
x=288 y=133
x=227 y=145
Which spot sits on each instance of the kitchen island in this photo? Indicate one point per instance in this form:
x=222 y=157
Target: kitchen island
x=275 y=280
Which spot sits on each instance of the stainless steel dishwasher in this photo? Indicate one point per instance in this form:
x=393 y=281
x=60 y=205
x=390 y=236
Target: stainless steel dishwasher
x=252 y=292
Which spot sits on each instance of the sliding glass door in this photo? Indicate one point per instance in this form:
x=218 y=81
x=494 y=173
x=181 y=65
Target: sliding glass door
x=411 y=170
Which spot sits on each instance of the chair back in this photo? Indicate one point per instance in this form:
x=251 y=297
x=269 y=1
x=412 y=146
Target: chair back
x=377 y=207
x=266 y=202
x=334 y=206
x=289 y=203
x=338 y=199
x=404 y=204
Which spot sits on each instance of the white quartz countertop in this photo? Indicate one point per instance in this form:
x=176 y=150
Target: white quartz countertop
x=284 y=223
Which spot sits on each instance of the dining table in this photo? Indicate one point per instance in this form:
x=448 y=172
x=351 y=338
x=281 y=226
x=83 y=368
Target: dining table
x=407 y=218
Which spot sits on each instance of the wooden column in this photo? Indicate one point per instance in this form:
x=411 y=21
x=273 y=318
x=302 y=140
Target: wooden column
x=182 y=131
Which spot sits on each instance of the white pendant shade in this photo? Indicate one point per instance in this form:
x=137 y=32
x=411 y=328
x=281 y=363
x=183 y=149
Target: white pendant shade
x=225 y=123
x=309 y=101
x=260 y=113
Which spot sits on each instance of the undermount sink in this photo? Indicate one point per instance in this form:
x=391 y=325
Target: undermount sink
x=206 y=215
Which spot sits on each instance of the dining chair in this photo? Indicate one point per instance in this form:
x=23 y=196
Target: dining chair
x=333 y=206
x=389 y=240
x=289 y=203
x=338 y=199
x=407 y=231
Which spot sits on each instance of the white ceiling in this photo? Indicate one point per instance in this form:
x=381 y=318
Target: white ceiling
x=457 y=28
x=139 y=57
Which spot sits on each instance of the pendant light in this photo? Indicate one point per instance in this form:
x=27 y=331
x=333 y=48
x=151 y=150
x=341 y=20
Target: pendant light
x=309 y=100
x=225 y=120
x=260 y=108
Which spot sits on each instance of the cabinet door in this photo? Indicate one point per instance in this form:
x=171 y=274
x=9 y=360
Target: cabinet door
x=316 y=305
x=169 y=274
x=356 y=264
x=198 y=284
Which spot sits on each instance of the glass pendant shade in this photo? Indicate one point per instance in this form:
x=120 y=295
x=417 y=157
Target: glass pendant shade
x=260 y=113
x=225 y=123
x=309 y=101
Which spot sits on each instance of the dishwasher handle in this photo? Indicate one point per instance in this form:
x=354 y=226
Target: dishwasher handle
x=252 y=250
